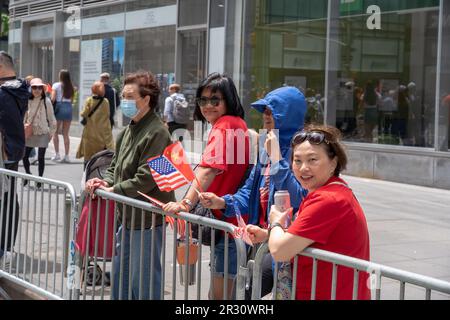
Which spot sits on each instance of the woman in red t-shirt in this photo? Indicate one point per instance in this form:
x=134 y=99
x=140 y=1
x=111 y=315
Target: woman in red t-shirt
x=330 y=218
x=223 y=165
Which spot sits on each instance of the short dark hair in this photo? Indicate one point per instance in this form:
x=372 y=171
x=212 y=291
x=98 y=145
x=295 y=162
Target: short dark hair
x=148 y=86
x=225 y=85
x=332 y=145
x=6 y=60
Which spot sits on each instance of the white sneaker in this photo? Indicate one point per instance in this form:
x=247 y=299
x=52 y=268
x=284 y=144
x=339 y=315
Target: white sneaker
x=66 y=159
x=56 y=157
x=5 y=260
x=32 y=160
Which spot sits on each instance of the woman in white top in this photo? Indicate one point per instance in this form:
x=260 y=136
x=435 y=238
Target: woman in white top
x=62 y=97
x=41 y=117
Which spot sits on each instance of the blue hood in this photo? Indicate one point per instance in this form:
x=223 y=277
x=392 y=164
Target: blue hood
x=288 y=108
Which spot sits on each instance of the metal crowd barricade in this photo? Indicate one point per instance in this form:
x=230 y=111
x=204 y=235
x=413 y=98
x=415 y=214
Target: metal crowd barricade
x=377 y=273
x=103 y=263
x=40 y=209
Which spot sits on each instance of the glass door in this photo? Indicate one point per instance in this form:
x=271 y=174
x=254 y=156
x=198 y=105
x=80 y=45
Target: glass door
x=42 y=62
x=193 y=62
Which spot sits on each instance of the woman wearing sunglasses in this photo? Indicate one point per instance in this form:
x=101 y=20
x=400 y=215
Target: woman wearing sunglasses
x=41 y=117
x=218 y=104
x=330 y=217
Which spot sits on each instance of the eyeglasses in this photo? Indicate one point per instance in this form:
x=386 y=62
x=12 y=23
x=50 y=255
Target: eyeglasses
x=314 y=137
x=204 y=101
x=36 y=88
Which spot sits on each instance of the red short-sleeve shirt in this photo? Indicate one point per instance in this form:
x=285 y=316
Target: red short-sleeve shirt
x=332 y=217
x=228 y=151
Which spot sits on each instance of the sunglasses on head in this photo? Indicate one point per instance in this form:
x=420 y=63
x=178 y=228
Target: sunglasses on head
x=36 y=87
x=204 y=101
x=314 y=137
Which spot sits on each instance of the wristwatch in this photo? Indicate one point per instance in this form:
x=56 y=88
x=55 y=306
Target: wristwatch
x=188 y=203
x=273 y=225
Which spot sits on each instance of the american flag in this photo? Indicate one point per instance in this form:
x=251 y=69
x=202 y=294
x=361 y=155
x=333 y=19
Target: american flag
x=166 y=176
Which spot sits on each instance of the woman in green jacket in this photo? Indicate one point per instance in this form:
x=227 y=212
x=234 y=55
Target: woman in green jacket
x=145 y=137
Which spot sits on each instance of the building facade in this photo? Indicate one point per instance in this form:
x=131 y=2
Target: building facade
x=379 y=70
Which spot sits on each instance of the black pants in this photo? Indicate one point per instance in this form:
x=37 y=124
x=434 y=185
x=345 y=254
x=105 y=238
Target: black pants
x=41 y=160
x=9 y=220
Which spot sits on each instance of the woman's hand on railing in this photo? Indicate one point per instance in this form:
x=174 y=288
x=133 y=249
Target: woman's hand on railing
x=93 y=184
x=211 y=201
x=107 y=189
x=257 y=234
x=175 y=207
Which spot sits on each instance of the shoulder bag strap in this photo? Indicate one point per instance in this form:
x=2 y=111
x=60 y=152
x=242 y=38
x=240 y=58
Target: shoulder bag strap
x=96 y=107
x=35 y=114
x=46 y=115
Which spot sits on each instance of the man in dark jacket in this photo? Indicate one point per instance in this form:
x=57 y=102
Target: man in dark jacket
x=112 y=95
x=13 y=105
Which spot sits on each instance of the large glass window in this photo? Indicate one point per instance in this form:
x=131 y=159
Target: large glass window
x=152 y=49
x=14 y=43
x=147 y=4
x=443 y=130
x=380 y=75
x=286 y=47
x=383 y=89
x=217 y=10
x=192 y=12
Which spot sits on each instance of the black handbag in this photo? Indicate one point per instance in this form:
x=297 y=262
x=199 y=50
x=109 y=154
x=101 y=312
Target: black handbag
x=199 y=210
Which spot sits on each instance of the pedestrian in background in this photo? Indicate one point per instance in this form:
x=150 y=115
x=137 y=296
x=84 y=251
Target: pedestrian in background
x=41 y=117
x=62 y=98
x=176 y=110
x=13 y=106
x=33 y=156
x=112 y=95
x=97 y=135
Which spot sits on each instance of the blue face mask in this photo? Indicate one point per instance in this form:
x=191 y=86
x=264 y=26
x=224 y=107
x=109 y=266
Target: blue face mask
x=129 y=108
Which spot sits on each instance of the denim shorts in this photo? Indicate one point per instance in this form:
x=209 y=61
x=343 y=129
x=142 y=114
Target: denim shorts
x=63 y=111
x=219 y=259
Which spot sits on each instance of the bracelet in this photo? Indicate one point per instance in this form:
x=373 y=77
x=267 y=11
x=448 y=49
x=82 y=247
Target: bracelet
x=188 y=203
x=271 y=226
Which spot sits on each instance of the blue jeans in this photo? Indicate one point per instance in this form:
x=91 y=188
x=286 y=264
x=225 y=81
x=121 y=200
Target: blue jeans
x=219 y=259
x=134 y=249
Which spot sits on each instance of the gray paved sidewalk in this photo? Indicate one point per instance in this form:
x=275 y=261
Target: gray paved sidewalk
x=409 y=225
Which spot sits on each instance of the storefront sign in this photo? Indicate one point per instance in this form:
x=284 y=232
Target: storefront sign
x=151 y=18
x=141 y=19
x=103 y=24
x=91 y=67
x=41 y=33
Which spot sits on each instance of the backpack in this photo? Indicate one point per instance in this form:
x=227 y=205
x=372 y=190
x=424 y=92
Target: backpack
x=181 y=112
x=97 y=165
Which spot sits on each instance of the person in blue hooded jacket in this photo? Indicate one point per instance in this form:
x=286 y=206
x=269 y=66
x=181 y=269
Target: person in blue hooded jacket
x=283 y=110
